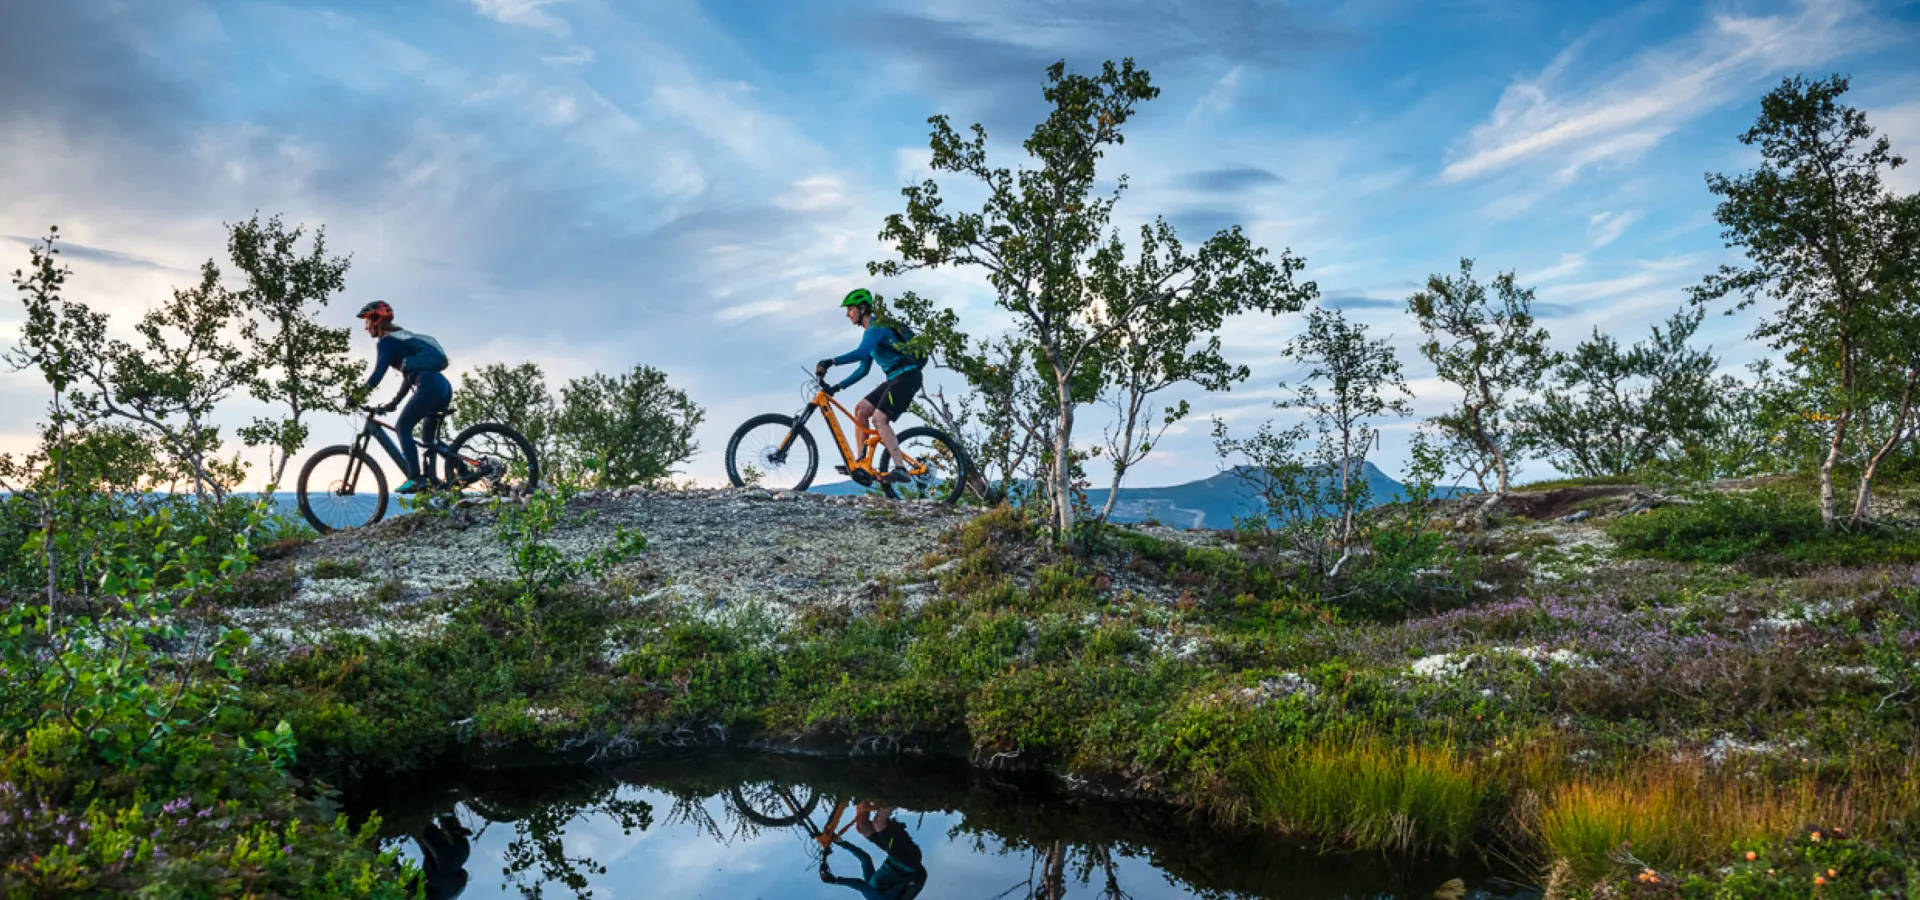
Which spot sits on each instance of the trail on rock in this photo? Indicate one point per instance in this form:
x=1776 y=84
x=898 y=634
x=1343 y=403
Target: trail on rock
x=707 y=548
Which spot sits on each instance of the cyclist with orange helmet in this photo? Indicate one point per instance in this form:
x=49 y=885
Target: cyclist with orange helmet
x=420 y=361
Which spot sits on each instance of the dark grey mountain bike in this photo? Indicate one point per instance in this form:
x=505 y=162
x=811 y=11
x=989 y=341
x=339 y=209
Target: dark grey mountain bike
x=342 y=486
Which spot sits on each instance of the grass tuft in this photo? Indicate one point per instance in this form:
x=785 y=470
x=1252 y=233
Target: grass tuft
x=1678 y=814
x=1369 y=794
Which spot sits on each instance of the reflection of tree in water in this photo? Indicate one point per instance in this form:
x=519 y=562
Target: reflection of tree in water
x=539 y=839
x=1072 y=847
x=1048 y=875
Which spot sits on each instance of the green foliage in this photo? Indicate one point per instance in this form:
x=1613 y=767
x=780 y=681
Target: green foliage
x=1810 y=863
x=1313 y=495
x=1833 y=252
x=625 y=430
x=523 y=526
x=1077 y=297
x=1490 y=350
x=196 y=349
x=103 y=676
x=514 y=396
x=1414 y=566
x=108 y=710
x=1611 y=411
x=215 y=824
x=338 y=568
x=1370 y=793
x=297 y=363
x=1722 y=527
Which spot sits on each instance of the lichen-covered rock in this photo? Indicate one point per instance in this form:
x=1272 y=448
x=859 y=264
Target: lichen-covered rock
x=704 y=548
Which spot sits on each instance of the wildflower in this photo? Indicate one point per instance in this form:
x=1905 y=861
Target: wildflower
x=1751 y=856
x=1819 y=880
x=1832 y=874
x=1816 y=837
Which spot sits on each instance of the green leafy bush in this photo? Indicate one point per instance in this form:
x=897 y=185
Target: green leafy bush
x=1722 y=527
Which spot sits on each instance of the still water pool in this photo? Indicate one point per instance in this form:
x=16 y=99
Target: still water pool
x=750 y=826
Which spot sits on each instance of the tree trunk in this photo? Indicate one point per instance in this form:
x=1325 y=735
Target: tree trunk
x=59 y=492
x=1054 y=872
x=1062 y=469
x=1827 y=465
x=1120 y=459
x=1862 y=499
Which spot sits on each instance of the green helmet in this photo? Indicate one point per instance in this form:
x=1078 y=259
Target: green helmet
x=858 y=297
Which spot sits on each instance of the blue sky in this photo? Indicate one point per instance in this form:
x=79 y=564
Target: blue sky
x=592 y=184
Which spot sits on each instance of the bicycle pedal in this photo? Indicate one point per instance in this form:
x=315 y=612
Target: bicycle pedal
x=841 y=469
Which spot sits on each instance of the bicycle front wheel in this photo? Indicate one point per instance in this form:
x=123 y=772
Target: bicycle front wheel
x=771 y=452
x=340 y=488
x=493 y=460
x=942 y=470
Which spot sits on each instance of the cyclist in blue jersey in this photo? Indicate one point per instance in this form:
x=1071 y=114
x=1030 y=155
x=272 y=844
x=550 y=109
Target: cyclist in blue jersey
x=419 y=359
x=880 y=342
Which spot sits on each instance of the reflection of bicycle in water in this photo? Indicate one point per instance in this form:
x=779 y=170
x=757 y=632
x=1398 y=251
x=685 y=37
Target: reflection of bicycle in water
x=443 y=856
x=901 y=873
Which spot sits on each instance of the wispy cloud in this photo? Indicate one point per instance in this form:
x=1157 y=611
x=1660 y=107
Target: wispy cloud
x=575 y=56
x=527 y=13
x=1622 y=115
x=1569 y=263
x=1605 y=228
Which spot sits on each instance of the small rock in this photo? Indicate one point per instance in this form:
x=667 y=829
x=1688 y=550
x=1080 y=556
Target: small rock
x=1580 y=515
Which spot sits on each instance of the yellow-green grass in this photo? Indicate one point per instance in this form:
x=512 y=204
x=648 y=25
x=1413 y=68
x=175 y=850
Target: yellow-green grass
x=1366 y=793
x=1678 y=814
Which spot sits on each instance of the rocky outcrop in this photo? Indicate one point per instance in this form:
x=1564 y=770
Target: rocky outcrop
x=705 y=548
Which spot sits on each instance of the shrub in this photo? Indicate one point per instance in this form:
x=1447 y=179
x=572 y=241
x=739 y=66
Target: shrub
x=1722 y=527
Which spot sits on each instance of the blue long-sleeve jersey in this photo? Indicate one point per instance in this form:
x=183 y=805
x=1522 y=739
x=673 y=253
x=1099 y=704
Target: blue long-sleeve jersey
x=877 y=345
x=402 y=349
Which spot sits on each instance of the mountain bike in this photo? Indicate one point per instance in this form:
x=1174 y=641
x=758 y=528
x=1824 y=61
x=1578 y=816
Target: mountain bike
x=343 y=487
x=778 y=452
x=773 y=805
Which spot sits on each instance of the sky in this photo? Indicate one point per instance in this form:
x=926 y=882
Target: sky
x=592 y=184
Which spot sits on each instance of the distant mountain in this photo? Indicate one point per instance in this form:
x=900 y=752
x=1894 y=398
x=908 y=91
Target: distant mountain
x=1211 y=502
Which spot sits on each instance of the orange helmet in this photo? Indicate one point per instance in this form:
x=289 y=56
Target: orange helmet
x=377 y=310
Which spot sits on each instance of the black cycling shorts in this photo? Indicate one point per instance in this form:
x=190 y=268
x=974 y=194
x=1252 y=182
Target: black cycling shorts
x=895 y=395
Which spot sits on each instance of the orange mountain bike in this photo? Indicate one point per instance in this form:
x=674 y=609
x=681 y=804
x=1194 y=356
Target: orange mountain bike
x=777 y=452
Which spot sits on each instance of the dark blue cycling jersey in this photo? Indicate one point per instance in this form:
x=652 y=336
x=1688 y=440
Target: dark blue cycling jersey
x=410 y=353
x=876 y=345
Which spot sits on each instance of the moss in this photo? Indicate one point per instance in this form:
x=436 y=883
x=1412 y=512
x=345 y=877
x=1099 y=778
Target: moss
x=330 y=568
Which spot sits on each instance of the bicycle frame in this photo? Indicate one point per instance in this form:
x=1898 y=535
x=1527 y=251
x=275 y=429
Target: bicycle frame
x=825 y=403
x=376 y=430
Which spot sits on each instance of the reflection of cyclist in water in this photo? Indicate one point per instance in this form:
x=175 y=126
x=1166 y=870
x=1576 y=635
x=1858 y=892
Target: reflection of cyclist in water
x=900 y=876
x=443 y=857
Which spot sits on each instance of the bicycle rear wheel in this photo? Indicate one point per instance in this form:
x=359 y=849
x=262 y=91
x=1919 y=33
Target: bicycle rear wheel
x=947 y=467
x=770 y=452
x=329 y=502
x=493 y=460
x=771 y=805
